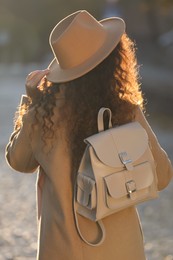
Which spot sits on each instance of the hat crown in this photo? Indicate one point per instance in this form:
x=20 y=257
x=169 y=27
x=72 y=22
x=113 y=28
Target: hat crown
x=75 y=39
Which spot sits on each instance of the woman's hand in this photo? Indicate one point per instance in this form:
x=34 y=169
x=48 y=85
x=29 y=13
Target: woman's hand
x=32 y=82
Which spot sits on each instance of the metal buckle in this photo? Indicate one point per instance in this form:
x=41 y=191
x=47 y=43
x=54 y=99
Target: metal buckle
x=126 y=161
x=131 y=186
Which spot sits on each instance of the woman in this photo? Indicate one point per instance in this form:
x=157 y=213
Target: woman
x=94 y=66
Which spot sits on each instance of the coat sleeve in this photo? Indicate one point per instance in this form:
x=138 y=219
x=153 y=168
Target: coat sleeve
x=163 y=165
x=19 y=154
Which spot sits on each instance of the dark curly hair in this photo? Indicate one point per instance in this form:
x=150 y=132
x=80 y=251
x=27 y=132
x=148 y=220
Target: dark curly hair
x=113 y=83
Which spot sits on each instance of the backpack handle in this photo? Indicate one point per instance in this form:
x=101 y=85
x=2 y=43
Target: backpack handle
x=100 y=121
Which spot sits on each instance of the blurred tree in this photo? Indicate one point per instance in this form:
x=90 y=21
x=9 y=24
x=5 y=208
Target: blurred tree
x=157 y=14
x=151 y=15
x=167 y=2
x=40 y=16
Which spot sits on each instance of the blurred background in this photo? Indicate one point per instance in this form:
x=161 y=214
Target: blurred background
x=24 y=46
x=25 y=27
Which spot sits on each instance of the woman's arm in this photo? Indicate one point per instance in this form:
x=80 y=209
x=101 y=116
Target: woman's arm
x=163 y=165
x=19 y=153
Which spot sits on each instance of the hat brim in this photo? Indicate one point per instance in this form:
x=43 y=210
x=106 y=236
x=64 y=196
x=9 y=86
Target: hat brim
x=115 y=27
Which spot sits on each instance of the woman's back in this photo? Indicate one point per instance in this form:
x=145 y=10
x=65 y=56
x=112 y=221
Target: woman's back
x=58 y=233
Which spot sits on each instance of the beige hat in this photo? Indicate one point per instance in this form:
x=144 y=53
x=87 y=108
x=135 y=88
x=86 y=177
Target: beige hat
x=79 y=43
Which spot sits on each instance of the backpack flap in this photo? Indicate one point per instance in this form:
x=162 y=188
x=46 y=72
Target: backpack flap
x=129 y=141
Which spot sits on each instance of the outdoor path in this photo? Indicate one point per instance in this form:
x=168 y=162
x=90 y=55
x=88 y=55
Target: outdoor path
x=17 y=193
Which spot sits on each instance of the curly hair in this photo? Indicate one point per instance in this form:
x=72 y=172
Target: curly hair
x=113 y=83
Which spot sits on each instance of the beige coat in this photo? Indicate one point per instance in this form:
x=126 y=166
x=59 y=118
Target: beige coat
x=58 y=238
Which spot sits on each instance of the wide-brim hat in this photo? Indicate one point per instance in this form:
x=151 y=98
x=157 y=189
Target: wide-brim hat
x=79 y=43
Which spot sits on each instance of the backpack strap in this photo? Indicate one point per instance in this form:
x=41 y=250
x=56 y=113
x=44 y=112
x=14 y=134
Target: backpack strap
x=99 y=223
x=100 y=121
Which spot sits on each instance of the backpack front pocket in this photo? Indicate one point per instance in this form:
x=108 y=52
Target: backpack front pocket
x=128 y=187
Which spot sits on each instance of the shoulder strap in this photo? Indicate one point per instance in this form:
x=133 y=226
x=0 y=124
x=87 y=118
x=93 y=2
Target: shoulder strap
x=99 y=223
x=100 y=121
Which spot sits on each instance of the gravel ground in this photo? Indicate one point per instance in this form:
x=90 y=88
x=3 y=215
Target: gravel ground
x=18 y=238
